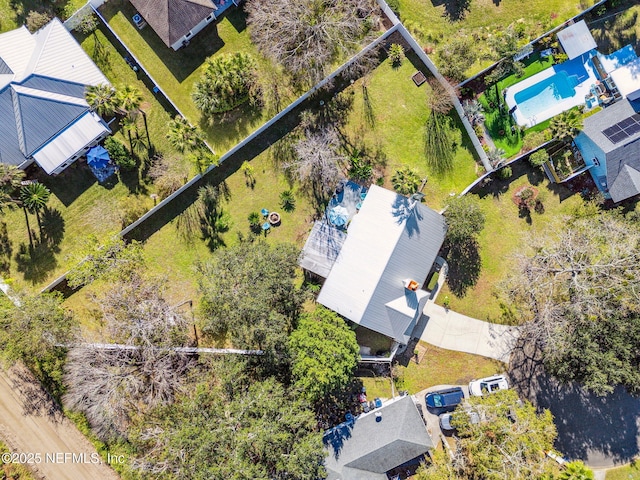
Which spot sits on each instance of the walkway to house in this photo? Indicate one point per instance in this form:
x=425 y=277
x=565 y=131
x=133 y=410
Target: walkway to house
x=451 y=330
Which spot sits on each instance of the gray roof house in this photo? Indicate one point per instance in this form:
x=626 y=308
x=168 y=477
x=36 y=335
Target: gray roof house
x=177 y=21
x=376 y=442
x=390 y=246
x=615 y=158
x=43 y=114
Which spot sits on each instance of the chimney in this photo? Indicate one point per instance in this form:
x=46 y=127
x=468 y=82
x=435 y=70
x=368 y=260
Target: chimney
x=411 y=285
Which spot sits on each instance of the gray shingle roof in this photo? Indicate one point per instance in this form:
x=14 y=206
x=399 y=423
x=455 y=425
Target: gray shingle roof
x=368 y=447
x=623 y=158
x=172 y=19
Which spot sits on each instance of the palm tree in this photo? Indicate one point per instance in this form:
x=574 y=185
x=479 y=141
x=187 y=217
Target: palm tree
x=496 y=157
x=405 y=181
x=184 y=136
x=566 y=126
x=129 y=99
x=34 y=197
x=473 y=111
x=102 y=99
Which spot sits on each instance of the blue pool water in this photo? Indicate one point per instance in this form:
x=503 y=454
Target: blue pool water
x=537 y=98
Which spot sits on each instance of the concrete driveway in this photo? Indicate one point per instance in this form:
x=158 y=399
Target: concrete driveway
x=432 y=420
x=602 y=431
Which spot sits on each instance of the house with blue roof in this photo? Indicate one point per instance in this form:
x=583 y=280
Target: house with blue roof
x=44 y=117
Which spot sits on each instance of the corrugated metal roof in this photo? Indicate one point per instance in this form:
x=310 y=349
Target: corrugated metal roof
x=368 y=447
x=576 y=39
x=70 y=141
x=16 y=47
x=4 y=68
x=40 y=115
x=46 y=92
x=388 y=241
x=58 y=55
x=322 y=248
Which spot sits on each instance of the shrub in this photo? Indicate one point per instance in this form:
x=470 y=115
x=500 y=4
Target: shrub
x=287 y=201
x=505 y=173
x=479 y=131
x=396 y=54
x=226 y=83
x=254 y=219
x=534 y=139
x=36 y=20
x=131 y=210
x=538 y=158
x=360 y=168
x=119 y=154
x=168 y=183
x=394 y=5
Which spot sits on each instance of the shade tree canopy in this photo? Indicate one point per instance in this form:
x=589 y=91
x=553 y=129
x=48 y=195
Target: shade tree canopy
x=324 y=354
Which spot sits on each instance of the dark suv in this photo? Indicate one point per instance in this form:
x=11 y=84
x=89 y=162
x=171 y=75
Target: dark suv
x=444 y=400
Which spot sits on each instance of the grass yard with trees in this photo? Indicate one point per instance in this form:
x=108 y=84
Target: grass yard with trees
x=506 y=229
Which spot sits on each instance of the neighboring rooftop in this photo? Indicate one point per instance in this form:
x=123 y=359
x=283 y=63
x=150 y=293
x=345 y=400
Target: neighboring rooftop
x=392 y=239
x=173 y=19
x=376 y=442
x=576 y=39
x=43 y=113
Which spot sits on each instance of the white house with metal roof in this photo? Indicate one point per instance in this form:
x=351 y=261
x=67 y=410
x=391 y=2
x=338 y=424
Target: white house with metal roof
x=376 y=279
x=43 y=114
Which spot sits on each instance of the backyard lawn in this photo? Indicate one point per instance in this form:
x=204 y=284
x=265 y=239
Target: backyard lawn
x=390 y=115
x=504 y=234
x=437 y=367
x=176 y=72
x=442 y=20
x=79 y=206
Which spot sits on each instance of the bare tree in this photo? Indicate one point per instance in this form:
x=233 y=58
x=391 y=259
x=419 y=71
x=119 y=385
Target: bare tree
x=308 y=36
x=318 y=161
x=110 y=385
x=577 y=294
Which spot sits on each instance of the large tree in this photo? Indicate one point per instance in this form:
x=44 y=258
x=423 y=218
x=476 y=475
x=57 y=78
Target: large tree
x=232 y=429
x=308 y=36
x=249 y=295
x=102 y=98
x=509 y=441
x=184 y=136
x=465 y=219
x=577 y=295
x=31 y=332
x=567 y=125
x=140 y=370
x=318 y=161
x=324 y=354
x=226 y=83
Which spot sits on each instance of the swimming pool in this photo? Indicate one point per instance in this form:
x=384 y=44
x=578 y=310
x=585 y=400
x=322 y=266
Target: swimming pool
x=538 y=97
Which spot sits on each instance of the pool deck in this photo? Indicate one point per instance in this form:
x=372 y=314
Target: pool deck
x=582 y=90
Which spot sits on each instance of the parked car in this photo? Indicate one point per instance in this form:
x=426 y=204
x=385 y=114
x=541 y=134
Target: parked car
x=488 y=385
x=445 y=400
x=445 y=420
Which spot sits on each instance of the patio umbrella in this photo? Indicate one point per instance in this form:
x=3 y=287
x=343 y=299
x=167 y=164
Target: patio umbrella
x=98 y=157
x=338 y=216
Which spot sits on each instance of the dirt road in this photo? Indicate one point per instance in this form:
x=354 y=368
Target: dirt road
x=31 y=424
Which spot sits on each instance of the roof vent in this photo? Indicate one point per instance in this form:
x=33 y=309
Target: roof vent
x=411 y=285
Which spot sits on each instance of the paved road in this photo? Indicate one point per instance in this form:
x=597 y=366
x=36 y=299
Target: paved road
x=602 y=431
x=30 y=423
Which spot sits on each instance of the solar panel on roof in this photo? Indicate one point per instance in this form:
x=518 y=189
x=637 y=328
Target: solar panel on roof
x=618 y=137
x=636 y=117
x=610 y=131
x=632 y=129
x=626 y=122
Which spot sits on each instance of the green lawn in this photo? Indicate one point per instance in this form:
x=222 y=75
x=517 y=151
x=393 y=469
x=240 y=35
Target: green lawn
x=483 y=16
x=613 y=33
x=437 y=367
x=393 y=119
x=13 y=13
x=176 y=72
x=629 y=472
x=504 y=234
